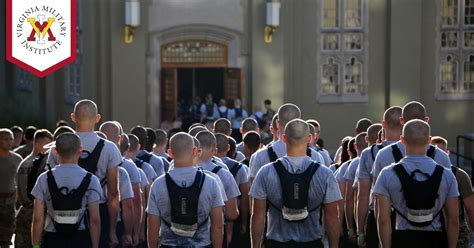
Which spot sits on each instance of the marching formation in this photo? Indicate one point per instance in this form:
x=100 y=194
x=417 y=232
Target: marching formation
x=390 y=185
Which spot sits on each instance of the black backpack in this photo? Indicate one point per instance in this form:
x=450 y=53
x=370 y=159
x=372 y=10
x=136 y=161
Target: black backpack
x=419 y=195
x=184 y=205
x=397 y=154
x=223 y=114
x=33 y=174
x=271 y=154
x=69 y=205
x=138 y=163
x=372 y=148
x=89 y=163
x=146 y=157
x=295 y=191
x=210 y=110
x=235 y=169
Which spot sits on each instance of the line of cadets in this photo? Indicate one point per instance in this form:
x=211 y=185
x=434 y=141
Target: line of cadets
x=285 y=194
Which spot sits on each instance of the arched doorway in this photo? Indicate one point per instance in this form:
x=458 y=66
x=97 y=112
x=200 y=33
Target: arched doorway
x=191 y=68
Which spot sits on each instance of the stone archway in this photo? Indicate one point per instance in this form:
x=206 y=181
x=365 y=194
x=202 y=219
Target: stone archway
x=236 y=57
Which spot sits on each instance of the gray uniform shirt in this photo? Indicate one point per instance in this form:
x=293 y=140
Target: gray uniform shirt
x=341 y=171
x=132 y=171
x=159 y=205
x=8 y=172
x=110 y=156
x=155 y=162
x=143 y=180
x=230 y=186
x=323 y=190
x=385 y=158
x=125 y=188
x=366 y=161
x=261 y=158
x=241 y=177
x=149 y=172
x=23 y=171
x=350 y=173
x=70 y=176
x=388 y=184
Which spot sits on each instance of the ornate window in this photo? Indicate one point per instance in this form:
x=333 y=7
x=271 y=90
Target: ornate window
x=73 y=72
x=194 y=52
x=455 y=67
x=23 y=80
x=342 y=73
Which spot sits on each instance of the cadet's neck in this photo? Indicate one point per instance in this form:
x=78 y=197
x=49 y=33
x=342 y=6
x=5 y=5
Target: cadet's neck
x=392 y=135
x=296 y=150
x=85 y=127
x=187 y=162
x=221 y=155
x=415 y=150
x=4 y=153
x=159 y=150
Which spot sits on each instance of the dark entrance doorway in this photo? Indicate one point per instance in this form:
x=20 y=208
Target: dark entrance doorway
x=180 y=85
x=194 y=82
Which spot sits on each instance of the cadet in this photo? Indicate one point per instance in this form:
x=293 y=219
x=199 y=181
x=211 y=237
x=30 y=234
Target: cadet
x=131 y=155
x=161 y=144
x=223 y=110
x=155 y=161
x=466 y=196
x=113 y=132
x=207 y=143
x=395 y=152
x=26 y=149
x=224 y=126
x=17 y=136
x=361 y=126
x=297 y=190
x=102 y=158
x=351 y=191
x=28 y=172
x=62 y=196
x=418 y=189
x=252 y=143
x=183 y=202
x=9 y=163
x=236 y=115
x=208 y=110
x=248 y=125
x=314 y=142
x=366 y=225
x=277 y=149
x=240 y=173
x=126 y=219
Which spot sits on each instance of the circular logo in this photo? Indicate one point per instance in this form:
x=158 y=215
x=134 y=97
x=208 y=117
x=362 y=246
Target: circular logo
x=41 y=29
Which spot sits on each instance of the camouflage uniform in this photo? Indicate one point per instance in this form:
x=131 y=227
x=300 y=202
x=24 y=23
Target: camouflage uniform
x=25 y=216
x=464 y=234
x=7 y=218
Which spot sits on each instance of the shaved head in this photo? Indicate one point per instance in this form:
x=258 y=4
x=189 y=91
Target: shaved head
x=134 y=142
x=362 y=125
x=196 y=143
x=223 y=126
x=413 y=110
x=296 y=132
x=101 y=134
x=360 y=141
x=196 y=130
x=111 y=129
x=68 y=145
x=222 y=142
x=274 y=122
x=416 y=133
x=161 y=137
x=252 y=140
x=373 y=132
x=392 y=117
x=249 y=124
x=286 y=113
x=124 y=144
x=440 y=142
x=181 y=146
x=142 y=135
x=206 y=139
x=85 y=110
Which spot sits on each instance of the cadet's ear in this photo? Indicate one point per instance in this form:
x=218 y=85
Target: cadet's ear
x=170 y=153
x=402 y=139
x=426 y=119
x=97 y=118
x=309 y=139
x=402 y=121
x=284 y=138
x=384 y=124
x=73 y=118
x=56 y=151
